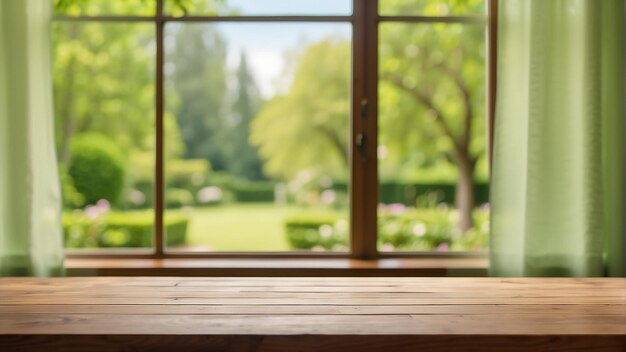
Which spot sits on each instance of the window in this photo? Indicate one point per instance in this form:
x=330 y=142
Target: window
x=352 y=128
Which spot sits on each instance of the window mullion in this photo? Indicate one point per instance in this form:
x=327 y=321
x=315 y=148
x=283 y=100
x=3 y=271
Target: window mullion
x=364 y=178
x=159 y=183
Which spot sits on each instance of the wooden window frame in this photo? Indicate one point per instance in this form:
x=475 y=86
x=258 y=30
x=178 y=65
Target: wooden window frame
x=365 y=21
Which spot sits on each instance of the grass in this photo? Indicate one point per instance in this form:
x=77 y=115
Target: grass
x=240 y=227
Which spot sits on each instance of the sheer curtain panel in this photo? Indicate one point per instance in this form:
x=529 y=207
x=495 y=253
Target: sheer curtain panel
x=31 y=242
x=558 y=164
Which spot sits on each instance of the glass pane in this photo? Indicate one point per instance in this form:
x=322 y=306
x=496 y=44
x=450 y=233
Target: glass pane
x=105 y=7
x=431 y=7
x=104 y=118
x=258 y=131
x=259 y=7
x=432 y=143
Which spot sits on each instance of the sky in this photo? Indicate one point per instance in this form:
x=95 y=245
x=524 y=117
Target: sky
x=265 y=44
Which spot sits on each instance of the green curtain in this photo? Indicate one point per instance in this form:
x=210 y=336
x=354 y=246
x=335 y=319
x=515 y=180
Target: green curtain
x=30 y=231
x=558 y=164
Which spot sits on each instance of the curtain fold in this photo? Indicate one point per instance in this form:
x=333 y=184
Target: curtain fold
x=31 y=240
x=557 y=196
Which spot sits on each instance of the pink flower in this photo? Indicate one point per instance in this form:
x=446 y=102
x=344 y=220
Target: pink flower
x=443 y=247
x=93 y=211
x=396 y=208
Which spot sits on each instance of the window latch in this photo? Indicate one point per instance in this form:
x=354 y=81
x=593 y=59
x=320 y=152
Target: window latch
x=360 y=146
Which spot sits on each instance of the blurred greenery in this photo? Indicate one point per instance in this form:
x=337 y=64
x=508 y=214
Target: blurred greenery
x=225 y=144
x=400 y=228
x=97 y=168
x=116 y=229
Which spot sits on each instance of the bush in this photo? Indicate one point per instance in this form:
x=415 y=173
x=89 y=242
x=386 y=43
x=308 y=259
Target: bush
x=130 y=229
x=428 y=229
x=416 y=229
x=177 y=198
x=407 y=193
x=71 y=197
x=97 y=168
x=190 y=174
x=253 y=192
x=399 y=228
x=322 y=231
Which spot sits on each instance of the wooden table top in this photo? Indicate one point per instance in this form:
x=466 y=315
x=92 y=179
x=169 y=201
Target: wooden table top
x=282 y=313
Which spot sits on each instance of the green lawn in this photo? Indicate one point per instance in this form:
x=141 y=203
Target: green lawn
x=240 y=227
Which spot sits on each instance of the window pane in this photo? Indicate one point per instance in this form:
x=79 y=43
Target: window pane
x=258 y=132
x=258 y=7
x=105 y=7
x=432 y=143
x=431 y=7
x=104 y=119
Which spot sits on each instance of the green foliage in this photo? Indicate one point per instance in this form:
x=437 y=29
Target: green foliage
x=187 y=173
x=198 y=78
x=121 y=104
x=427 y=229
x=178 y=197
x=432 y=7
x=97 y=168
x=253 y=192
x=308 y=127
x=105 y=7
x=243 y=158
x=425 y=194
x=129 y=229
x=317 y=232
x=425 y=73
x=399 y=228
x=71 y=197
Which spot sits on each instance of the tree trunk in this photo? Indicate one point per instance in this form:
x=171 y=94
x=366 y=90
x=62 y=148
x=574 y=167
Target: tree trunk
x=465 y=191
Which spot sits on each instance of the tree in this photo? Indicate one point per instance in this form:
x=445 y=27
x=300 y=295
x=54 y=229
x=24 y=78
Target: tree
x=432 y=94
x=431 y=102
x=121 y=104
x=243 y=158
x=308 y=127
x=197 y=86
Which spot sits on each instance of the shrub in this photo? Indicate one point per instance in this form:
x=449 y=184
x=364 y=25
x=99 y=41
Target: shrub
x=177 y=198
x=416 y=229
x=190 y=174
x=399 y=228
x=253 y=191
x=71 y=197
x=130 y=229
x=97 y=168
x=424 y=194
x=321 y=231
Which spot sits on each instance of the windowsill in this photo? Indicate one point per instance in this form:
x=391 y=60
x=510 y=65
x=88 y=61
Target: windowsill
x=476 y=266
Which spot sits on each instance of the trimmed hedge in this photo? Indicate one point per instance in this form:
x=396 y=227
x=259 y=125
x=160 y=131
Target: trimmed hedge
x=253 y=192
x=313 y=231
x=131 y=229
x=409 y=193
x=398 y=229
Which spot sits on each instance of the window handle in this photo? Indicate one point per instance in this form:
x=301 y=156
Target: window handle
x=361 y=138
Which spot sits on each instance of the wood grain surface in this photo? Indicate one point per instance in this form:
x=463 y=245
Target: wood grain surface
x=312 y=314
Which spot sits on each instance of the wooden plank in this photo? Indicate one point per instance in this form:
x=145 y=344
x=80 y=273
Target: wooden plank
x=312 y=292
x=428 y=309
x=297 y=301
x=553 y=283
x=275 y=324
x=311 y=343
x=307 y=314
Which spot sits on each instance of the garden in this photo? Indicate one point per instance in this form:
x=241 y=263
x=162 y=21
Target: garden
x=256 y=132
